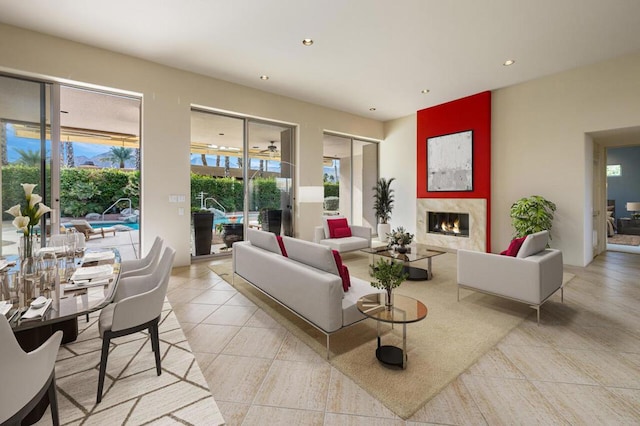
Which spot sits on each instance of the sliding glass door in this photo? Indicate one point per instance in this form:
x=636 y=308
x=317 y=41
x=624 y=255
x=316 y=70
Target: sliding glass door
x=227 y=152
x=350 y=172
x=25 y=149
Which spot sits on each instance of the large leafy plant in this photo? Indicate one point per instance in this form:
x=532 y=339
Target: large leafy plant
x=383 y=199
x=532 y=214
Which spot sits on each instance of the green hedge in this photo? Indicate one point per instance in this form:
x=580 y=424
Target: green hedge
x=331 y=189
x=83 y=190
x=93 y=190
x=230 y=192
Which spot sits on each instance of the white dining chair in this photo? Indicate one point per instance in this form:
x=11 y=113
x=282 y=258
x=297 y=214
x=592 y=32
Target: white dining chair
x=136 y=306
x=26 y=377
x=145 y=265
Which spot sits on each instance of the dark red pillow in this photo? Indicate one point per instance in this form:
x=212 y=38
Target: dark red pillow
x=335 y=224
x=342 y=232
x=514 y=247
x=342 y=270
x=281 y=244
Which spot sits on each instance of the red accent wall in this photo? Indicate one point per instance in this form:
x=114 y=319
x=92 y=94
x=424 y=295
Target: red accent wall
x=470 y=113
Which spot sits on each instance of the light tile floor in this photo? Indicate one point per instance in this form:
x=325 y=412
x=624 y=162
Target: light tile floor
x=581 y=366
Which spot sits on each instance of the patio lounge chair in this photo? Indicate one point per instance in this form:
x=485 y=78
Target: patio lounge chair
x=86 y=228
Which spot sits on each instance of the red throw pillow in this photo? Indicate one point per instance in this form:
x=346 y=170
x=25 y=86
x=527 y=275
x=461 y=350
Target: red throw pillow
x=335 y=224
x=342 y=232
x=514 y=247
x=342 y=270
x=281 y=244
x=346 y=276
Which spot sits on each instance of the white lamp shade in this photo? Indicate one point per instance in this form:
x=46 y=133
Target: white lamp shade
x=633 y=206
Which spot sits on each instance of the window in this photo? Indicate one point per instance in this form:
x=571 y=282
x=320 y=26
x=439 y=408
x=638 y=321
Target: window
x=614 y=170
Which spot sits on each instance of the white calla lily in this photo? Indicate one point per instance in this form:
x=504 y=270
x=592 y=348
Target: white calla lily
x=42 y=209
x=14 y=211
x=28 y=189
x=22 y=223
x=35 y=199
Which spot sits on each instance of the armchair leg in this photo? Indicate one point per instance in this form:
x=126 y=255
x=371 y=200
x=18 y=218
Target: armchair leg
x=103 y=364
x=53 y=401
x=155 y=344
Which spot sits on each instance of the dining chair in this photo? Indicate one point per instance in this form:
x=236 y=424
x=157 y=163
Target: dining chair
x=26 y=377
x=137 y=306
x=145 y=265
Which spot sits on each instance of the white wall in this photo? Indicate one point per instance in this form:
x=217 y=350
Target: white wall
x=398 y=160
x=538 y=147
x=167 y=98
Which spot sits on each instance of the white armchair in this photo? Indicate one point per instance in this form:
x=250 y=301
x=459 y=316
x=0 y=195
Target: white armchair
x=360 y=236
x=532 y=277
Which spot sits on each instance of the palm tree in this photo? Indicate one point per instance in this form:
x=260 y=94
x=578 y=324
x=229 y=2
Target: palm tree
x=3 y=143
x=118 y=155
x=28 y=157
x=203 y=157
x=71 y=161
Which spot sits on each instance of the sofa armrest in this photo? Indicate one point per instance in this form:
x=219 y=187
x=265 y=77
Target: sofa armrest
x=529 y=279
x=318 y=234
x=362 y=232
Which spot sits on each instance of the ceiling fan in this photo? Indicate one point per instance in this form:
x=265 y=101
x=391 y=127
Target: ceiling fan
x=271 y=149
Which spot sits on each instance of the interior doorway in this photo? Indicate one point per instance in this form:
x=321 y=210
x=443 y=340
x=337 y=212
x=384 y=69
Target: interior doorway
x=616 y=178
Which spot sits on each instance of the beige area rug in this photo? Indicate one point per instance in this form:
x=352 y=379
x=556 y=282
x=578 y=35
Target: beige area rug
x=624 y=240
x=133 y=393
x=452 y=337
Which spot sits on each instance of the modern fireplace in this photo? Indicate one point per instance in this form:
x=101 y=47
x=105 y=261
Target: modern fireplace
x=448 y=223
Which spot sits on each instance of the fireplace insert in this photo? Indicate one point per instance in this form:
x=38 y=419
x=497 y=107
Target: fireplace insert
x=447 y=223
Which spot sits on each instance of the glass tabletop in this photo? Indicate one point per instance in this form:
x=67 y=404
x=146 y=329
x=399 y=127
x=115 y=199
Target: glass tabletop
x=417 y=252
x=405 y=309
x=70 y=301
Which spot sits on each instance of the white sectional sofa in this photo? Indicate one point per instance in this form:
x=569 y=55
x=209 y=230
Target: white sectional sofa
x=306 y=282
x=531 y=277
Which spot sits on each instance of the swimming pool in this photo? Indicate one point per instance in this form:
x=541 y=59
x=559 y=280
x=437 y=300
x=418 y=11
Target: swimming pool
x=105 y=224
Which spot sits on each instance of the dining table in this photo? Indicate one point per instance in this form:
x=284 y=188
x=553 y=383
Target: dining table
x=90 y=287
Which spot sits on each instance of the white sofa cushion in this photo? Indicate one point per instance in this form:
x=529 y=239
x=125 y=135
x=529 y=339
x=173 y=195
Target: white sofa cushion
x=534 y=243
x=315 y=255
x=346 y=243
x=264 y=240
x=358 y=289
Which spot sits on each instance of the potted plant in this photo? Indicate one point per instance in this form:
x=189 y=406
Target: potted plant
x=383 y=205
x=271 y=220
x=388 y=275
x=400 y=239
x=203 y=230
x=532 y=214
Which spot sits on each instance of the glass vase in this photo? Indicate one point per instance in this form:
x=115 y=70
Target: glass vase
x=28 y=246
x=31 y=269
x=388 y=298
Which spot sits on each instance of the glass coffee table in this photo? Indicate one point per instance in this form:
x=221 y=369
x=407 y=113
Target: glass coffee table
x=405 y=310
x=416 y=252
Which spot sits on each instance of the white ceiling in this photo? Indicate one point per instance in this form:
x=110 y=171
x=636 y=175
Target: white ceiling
x=367 y=53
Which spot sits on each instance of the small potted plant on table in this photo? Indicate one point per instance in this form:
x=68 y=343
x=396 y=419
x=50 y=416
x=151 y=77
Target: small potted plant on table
x=388 y=275
x=399 y=239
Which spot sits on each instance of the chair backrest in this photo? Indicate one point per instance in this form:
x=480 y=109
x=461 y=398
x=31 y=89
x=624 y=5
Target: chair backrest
x=143 y=266
x=143 y=307
x=82 y=225
x=23 y=374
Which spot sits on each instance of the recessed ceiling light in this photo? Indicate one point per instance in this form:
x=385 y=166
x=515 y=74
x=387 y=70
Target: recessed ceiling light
x=255 y=147
x=220 y=134
x=264 y=77
x=509 y=62
x=64 y=112
x=307 y=42
x=424 y=91
x=213 y=146
x=372 y=109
